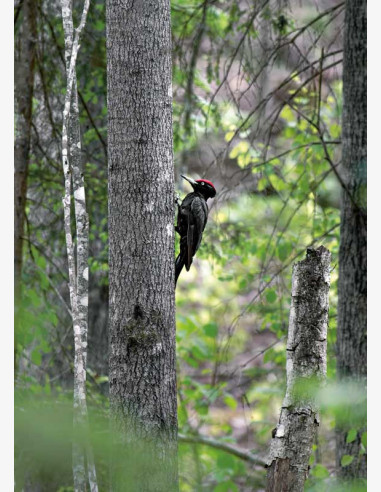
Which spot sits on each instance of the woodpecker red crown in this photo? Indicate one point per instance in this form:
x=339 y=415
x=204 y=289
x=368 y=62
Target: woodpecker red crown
x=205 y=181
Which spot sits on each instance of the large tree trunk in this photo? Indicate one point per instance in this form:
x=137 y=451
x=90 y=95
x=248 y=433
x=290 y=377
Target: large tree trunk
x=24 y=81
x=141 y=241
x=351 y=329
x=306 y=369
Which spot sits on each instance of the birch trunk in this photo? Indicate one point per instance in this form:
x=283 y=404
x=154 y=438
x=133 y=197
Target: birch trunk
x=352 y=287
x=78 y=268
x=306 y=370
x=141 y=242
x=24 y=82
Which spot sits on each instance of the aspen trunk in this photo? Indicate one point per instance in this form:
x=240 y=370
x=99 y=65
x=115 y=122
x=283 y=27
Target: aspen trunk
x=306 y=370
x=77 y=267
x=352 y=287
x=141 y=245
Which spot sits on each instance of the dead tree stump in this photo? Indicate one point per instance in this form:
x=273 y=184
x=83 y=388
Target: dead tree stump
x=306 y=370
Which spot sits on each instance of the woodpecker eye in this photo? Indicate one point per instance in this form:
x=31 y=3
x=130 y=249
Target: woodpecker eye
x=202 y=182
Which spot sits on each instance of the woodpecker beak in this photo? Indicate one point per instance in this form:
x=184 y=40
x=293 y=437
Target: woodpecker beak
x=190 y=180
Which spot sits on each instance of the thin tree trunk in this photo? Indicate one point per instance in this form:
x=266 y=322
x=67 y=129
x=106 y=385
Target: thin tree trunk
x=306 y=369
x=141 y=244
x=352 y=319
x=78 y=270
x=24 y=82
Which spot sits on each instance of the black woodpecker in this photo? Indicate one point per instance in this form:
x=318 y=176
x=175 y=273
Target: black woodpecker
x=191 y=221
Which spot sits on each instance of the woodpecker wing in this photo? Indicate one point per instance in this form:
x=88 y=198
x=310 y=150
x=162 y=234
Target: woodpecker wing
x=199 y=210
x=196 y=224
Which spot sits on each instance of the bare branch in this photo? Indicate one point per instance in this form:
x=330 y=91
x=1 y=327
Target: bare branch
x=223 y=446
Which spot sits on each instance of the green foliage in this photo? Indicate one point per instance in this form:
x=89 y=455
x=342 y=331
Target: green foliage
x=44 y=437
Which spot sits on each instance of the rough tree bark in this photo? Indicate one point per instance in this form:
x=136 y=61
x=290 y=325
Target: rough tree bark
x=24 y=82
x=78 y=270
x=351 y=327
x=306 y=370
x=142 y=375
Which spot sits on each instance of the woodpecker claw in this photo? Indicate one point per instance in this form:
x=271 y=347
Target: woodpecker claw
x=177 y=199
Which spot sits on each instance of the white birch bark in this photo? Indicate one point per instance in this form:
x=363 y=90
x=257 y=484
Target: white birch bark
x=306 y=370
x=78 y=268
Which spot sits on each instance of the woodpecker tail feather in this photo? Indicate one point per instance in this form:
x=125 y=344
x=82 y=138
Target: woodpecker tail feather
x=180 y=262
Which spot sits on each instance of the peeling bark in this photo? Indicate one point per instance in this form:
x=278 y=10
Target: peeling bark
x=352 y=285
x=141 y=239
x=306 y=371
x=78 y=267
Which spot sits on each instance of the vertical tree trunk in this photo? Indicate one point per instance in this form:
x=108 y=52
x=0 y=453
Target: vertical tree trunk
x=351 y=329
x=78 y=270
x=141 y=239
x=306 y=369
x=24 y=81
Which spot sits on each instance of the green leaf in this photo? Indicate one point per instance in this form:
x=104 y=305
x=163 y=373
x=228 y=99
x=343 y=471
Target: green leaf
x=225 y=460
x=271 y=295
x=36 y=356
x=240 y=148
x=284 y=250
x=210 y=330
x=288 y=114
x=253 y=248
x=351 y=436
x=335 y=130
x=99 y=25
x=320 y=471
x=44 y=281
x=229 y=136
x=190 y=361
x=231 y=401
x=41 y=262
x=269 y=355
x=262 y=183
x=202 y=408
x=226 y=278
x=346 y=460
x=228 y=486
x=102 y=379
x=200 y=351
x=34 y=298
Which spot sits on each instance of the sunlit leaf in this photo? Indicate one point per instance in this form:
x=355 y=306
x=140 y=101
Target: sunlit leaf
x=346 y=460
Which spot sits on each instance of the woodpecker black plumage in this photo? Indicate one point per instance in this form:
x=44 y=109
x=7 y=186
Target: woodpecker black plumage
x=191 y=221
